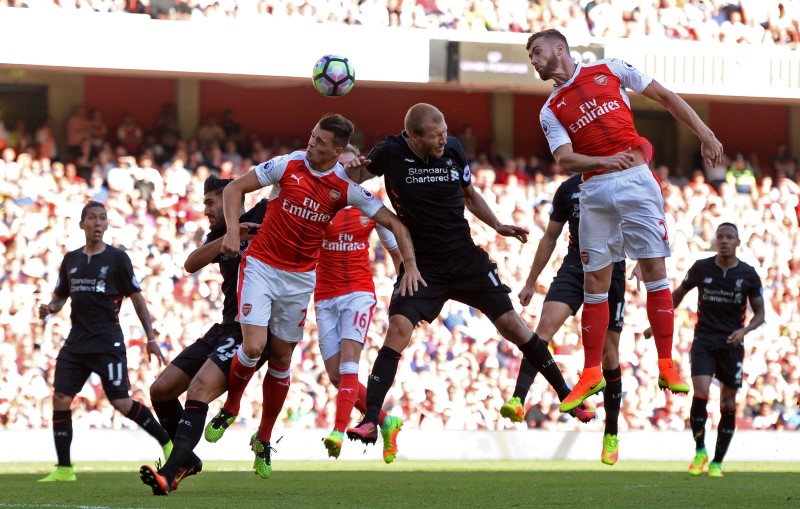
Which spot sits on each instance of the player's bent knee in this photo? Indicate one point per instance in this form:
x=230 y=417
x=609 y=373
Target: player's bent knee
x=206 y=390
x=158 y=391
x=61 y=400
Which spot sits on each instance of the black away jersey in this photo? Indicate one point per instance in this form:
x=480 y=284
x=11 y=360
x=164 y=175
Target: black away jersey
x=722 y=295
x=567 y=209
x=96 y=284
x=426 y=194
x=229 y=265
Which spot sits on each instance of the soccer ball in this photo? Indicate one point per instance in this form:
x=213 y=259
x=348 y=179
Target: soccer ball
x=333 y=76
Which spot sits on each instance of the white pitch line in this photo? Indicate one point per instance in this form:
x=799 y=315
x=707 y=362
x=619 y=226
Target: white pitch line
x=64 y=506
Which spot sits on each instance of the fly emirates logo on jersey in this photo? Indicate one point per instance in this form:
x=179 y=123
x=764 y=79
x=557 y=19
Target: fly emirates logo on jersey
x=345 y=242
x=591 y=111
x=309 y=210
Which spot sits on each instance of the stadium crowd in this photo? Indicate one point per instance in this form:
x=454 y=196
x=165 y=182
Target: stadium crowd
x=457 y=372
x=742 y=21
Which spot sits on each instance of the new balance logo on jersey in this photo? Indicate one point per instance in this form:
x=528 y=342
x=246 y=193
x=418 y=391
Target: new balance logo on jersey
x=708 y=281
x=296 y=178
x=185 y=423
x=73 y=270
x=408 y=160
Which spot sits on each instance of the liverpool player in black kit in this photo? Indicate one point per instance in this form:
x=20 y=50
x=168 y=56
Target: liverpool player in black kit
x=724 y=284
x=428 y=181
x=564 y=299
x=203 y=367
x=97 y=277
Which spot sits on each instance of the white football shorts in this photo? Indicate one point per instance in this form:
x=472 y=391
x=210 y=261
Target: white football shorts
x=344 y=317
x=275 y=298
x=622 y=213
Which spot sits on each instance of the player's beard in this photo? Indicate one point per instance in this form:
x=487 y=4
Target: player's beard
x=549 y=68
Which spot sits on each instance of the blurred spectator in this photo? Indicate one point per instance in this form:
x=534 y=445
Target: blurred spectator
x=97 y=129
x=4 y=134
x=129 y=134
x=20 y=139
x=45 y=141
x=210 y=134
x=741 y=175
x=469 y=140
x=77 y=130
x=783 y=164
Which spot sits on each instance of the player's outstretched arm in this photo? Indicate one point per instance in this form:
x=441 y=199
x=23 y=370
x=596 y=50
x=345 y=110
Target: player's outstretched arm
x=543 y=253
x=207 y=253
x=411 y=277
x=710 y=146
x=231 y=206
x=478 y=206
x=153 y=348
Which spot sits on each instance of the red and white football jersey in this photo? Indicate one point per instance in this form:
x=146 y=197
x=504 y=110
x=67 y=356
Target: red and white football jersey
x=343 y=265
x=302 y=204
x=592 y=110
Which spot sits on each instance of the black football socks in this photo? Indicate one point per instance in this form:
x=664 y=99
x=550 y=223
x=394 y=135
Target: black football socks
x=380 y=381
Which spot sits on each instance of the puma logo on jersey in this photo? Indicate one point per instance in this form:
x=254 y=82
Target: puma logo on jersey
x=346 y=389
x=284 y=382
x=296 y=178
x=586 y=329
x=664 y=311
x=562 y=103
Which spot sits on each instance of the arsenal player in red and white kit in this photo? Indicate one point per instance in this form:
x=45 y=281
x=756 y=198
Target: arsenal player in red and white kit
x=344 y=301
x=588 y=123
x=277 y=273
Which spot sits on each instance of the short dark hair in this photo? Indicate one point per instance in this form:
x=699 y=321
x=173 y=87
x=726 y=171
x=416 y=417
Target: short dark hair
x=730 y=225
x=341 y=128
x=548 y=34
x=92 y=204
x=418 y=114
x=214 y=184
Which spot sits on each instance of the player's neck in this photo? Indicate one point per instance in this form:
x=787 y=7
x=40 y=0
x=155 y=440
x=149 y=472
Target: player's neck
x=565 y=73
x=93 y=248
x=417 y=151
x=726 y=262
x=322 y=167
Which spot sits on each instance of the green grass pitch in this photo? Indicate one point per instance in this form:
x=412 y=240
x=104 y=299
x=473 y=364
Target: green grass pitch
x=413 y=484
